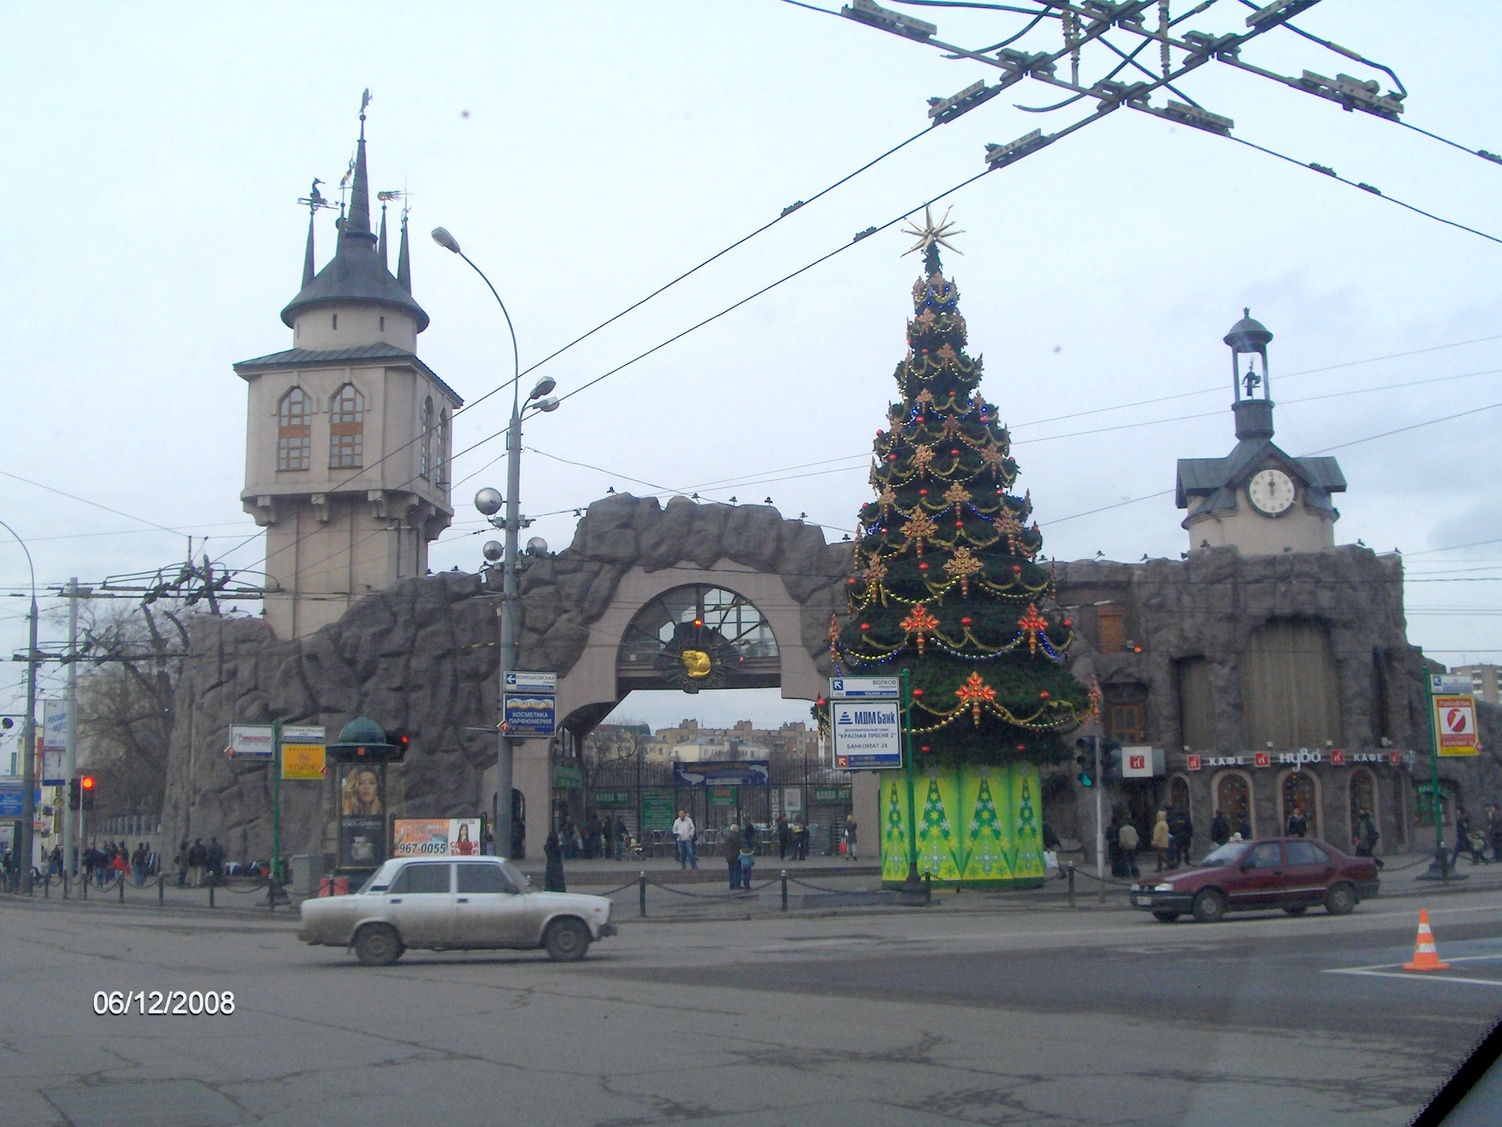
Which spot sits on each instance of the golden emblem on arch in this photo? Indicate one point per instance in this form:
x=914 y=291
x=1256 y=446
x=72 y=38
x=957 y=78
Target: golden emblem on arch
x=696 y=663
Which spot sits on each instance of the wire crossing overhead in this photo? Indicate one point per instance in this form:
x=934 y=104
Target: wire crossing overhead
x=1084 y=28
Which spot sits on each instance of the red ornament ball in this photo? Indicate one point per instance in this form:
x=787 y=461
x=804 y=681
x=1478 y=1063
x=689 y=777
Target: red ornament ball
x=1043 y=695
x=917 y=692
x=965 y=621
x=1069 y=622
x=954 y=453
x=1022 y=747
x=923 y=493
x=891 y=457
x=925 y=749
x=865 y=626
x=923 y=566
x=1016 y=569
x=851 y=581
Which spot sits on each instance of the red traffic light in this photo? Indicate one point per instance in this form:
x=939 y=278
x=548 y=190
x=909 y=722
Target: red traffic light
x=86 y=782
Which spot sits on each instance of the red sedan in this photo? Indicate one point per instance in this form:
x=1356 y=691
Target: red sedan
x=1291 y=873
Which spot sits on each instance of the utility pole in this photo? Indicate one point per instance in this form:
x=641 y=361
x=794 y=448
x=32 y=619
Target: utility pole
x=72 y=840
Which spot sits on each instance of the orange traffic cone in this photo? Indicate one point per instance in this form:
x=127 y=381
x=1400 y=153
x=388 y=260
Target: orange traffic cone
x=1425 y=957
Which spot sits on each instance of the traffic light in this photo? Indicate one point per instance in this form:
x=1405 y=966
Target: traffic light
x=73 y=794
x=1110 y=760
x=399 y=740
x=86 y=791
x=1086 y=759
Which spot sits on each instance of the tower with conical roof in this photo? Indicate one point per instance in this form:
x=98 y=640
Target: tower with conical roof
x=348 y=436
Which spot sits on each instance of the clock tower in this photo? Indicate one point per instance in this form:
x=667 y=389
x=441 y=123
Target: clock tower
x=1258 y=499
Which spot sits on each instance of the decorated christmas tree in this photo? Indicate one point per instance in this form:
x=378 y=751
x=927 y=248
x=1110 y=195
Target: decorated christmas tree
x=946 y=583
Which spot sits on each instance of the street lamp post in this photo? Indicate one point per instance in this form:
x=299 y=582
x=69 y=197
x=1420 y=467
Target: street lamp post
x=490 y=503
x=28 y=727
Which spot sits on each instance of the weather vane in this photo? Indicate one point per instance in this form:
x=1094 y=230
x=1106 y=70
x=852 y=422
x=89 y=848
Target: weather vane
x=931 y=233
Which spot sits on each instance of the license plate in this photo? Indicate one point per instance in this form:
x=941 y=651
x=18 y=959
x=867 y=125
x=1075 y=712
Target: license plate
x=1142 y=901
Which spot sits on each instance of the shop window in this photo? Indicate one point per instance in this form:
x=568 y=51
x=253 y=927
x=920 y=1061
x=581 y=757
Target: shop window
x=294 y=431
x=347 y=429
x=1291 y=687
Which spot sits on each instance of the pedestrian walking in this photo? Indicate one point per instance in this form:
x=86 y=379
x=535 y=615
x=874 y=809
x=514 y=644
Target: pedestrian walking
x=800 y=839
x=684 y=832
x=197 y=859
x=1127 y=839
x=552 y=873
x=1162 y=842
x=1365 y=837
x=1113 y=846
x=730 y=848
x=1494 y=830
x=850 y=837
x=784 y=837
x=1183 y=833
x=621 y=834
x=1463 y=842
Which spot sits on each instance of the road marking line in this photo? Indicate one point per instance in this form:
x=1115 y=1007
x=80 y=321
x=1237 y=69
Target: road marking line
x=1413 y=977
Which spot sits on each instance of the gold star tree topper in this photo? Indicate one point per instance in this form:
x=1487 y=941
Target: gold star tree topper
x=931 y=233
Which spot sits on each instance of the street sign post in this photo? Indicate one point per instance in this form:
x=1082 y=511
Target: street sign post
x=529 y=705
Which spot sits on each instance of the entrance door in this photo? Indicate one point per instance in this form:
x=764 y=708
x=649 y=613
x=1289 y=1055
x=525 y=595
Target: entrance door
x=1300 y=793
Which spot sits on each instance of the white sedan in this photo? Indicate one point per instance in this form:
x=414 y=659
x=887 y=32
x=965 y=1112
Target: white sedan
x=478 y=903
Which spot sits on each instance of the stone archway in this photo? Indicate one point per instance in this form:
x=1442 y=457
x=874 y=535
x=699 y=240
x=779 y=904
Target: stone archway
x=422 y=656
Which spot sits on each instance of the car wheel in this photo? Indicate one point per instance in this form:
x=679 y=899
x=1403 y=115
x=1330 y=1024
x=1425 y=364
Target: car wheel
x=378 y=945
x=566 y=941
x=1296 y=909
x=1165 y=917
x=1209 y=906
x=1340 y=899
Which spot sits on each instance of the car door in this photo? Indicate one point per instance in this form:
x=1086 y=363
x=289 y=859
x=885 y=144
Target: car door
x=1310 y=871
x=1259 y=877
x=420 y=904
x=489 y=909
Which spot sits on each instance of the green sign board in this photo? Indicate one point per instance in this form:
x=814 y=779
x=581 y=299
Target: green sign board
x=721 y=796
x=657 y=811
x=612 y=798
x=831 y=794
x=566 y=776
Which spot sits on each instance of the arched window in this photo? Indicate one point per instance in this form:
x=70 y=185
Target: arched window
x=425 y=444
x=442 y=453
x=1233 y=798
x=294 y=431
x=346 y=429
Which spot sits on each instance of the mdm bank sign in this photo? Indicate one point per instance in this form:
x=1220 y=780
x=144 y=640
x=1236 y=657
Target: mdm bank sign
x=867 y=734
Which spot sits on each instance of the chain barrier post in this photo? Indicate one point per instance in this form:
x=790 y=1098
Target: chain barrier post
x=928 y=886
x=784 y=890
x=212 y=883
x=642 y=892
x=161 y=890
x=47 y=887
x=120 y=880
x=65 y=881
x=1071 y=884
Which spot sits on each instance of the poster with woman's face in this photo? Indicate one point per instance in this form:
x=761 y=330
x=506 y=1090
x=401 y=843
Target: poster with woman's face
x=362 y=824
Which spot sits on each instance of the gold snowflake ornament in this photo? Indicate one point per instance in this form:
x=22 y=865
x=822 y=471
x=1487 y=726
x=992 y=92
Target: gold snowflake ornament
x=931 y=233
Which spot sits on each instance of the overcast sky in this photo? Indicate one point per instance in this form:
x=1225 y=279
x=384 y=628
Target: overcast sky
x=586 y=153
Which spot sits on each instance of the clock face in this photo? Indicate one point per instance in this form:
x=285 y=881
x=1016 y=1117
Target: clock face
x=1271 y=492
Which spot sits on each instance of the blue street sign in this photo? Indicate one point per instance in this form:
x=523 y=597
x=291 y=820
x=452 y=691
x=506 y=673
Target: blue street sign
x=723 y=773
x=11 y=800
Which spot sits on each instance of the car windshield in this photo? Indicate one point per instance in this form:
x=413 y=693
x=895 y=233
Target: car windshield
x=1227 y=854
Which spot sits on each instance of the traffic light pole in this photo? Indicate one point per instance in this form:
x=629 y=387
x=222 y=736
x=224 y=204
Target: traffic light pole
x=1100 y=829
x=276 y=800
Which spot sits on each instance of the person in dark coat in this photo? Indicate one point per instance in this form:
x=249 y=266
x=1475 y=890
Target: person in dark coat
x=1220 y=829
x=1463 y=842
x=730 y=848
x=784 y=837
x=552 y=875
x=1298 y=823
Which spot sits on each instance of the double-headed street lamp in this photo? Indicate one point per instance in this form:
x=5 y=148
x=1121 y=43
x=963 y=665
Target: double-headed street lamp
x=489 y=503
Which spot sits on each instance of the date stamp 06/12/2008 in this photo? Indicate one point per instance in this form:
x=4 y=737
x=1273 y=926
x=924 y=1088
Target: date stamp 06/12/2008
x=117 y=1003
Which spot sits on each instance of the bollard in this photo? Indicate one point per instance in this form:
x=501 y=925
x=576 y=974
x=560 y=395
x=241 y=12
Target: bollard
x=928 y=887
x=161 y=889
x=65 y=884
x=642 y=886
x=84 y=884
x=212 y=882
x=120 y=880
x=784 y=890
x=1071 y=884
x=47 y=887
